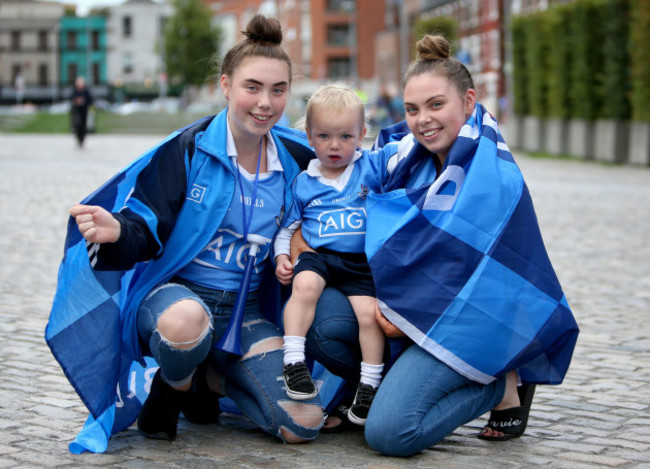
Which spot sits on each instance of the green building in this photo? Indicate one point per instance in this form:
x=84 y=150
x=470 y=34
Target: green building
x=83 y=49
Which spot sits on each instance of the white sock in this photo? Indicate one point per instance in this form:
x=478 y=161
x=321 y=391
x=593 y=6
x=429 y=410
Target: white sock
x=371 y=374
x=294 y=349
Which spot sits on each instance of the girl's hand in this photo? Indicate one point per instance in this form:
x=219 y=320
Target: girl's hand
x=283 y=269
x=390 y=329
x=96 y=224
x=298 y=245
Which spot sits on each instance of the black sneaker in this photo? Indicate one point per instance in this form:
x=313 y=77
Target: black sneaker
x=200 y=404
x=358 y=413
x=159 y=414
x=298 y=381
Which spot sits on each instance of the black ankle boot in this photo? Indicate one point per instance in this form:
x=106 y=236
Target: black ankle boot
x=200 y=404
x=159 y=414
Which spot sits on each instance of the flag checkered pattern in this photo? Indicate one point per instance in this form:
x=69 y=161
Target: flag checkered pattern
x=460 y=266
x=84 y=331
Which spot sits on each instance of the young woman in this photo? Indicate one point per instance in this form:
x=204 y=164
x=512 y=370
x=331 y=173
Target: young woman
x=203 y=197
x=442 y=253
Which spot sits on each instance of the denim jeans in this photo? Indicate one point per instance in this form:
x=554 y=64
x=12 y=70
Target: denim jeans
x=420 y=401
x=253 y=382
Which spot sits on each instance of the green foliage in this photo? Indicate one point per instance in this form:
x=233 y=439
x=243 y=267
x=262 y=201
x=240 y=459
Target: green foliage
x=519 y=70
x=574 y=60
x=557 y=23
x=191 y=43
x=536 y=56
x=616 y=60
x=585 y=59
x=70 y=10
x=442 y=25
x=106 y=123
x=640 y=59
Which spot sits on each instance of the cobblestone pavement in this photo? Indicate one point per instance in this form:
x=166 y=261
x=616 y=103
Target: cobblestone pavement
x=596 y=223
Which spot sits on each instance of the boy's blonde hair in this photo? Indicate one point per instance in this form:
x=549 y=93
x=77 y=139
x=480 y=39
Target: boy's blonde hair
x=338 y=97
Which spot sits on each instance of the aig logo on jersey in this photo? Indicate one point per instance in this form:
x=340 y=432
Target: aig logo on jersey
x=343 y=221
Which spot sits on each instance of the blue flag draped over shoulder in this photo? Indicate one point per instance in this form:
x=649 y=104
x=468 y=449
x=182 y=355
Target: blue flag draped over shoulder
x=84 y=331
x=460 y=266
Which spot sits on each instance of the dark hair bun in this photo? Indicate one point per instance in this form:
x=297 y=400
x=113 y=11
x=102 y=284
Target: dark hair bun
x=264 y=30
x=433 y=47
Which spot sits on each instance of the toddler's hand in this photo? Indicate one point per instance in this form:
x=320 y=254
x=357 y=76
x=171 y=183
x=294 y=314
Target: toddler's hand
x=283 y=269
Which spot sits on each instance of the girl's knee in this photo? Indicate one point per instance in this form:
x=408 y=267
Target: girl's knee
x=389 y=442
x=268 y=344
x=183 y=324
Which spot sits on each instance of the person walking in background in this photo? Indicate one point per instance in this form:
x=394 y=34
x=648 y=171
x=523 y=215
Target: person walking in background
x=81 y=101
x=19 y=85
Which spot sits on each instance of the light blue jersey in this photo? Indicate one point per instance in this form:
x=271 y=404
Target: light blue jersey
x=221 y=263
x=332 y=212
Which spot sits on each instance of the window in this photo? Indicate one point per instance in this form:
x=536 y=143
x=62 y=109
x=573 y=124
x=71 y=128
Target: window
x=72 y=73
x=94 y=38
x=95 y=76
x=42 y=40
x=341 y=6
x=162 y=23
x=15 y=71
x=15 y=40
x=338 y=68
x=42 y=75
x=71 y=40
x=127 y=26
x=338 y=35
x=127 y=62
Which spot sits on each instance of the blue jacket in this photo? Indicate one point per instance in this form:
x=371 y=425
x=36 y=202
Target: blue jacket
x=185 y=212
x=171 y=201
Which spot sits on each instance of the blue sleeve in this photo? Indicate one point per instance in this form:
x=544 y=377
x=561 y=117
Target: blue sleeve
x=151 y=210
x=394 y=133
x=295 y=211
x=379 y=162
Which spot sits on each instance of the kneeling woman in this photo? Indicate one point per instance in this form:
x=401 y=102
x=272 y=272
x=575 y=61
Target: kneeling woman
x=460 y=268
x=200 y=198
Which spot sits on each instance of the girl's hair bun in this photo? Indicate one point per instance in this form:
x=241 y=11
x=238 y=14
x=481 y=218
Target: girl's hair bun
x=433 y=48
x=261 y=29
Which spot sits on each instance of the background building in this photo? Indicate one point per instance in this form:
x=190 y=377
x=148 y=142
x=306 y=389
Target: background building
x=135 y=56
x=83 y=50
x=366 y=43
x=29 y=69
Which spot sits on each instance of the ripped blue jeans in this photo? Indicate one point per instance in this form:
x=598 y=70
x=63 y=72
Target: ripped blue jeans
x=254 y=381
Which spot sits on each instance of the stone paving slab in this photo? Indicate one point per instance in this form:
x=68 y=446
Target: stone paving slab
x=595 y=220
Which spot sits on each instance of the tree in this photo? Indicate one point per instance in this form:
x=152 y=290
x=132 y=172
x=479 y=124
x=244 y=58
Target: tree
x=640 y=58
x=191 y=43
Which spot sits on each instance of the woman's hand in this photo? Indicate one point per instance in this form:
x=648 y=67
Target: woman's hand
x=298 y=245
x=390 y=329
x=283 y=269
x=96 y=224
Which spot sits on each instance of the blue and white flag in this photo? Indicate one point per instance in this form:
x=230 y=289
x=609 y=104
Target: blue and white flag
x=84 y=331
x=460 y=266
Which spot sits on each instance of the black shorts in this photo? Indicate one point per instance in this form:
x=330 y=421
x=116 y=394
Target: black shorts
x=347 y=272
